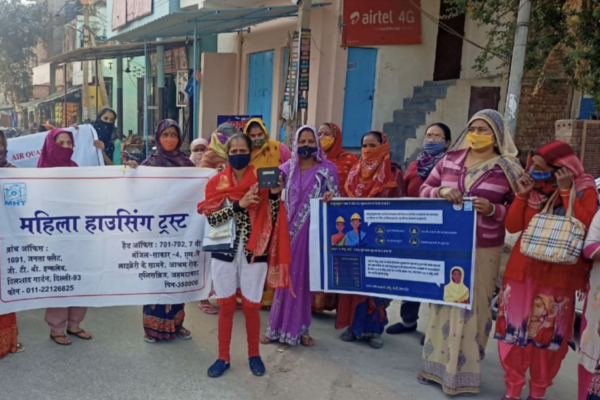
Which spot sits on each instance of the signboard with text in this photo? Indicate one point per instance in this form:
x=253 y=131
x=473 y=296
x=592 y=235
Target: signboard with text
x=239 y=121
x=421 y=250
x=381 y=22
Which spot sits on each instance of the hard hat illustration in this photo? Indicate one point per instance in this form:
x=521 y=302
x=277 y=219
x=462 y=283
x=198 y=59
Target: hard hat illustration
x=340 y=220
x=356 y=216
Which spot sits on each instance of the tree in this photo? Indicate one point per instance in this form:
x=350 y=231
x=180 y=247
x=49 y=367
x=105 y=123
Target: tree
x=564 y=30
x=23 y=27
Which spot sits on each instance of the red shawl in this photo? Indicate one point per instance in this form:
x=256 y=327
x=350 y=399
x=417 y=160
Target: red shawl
x=372 y=174
x=343 y=160
x=264 y=234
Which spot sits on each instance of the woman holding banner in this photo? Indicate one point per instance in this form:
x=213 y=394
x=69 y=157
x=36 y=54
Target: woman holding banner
x=165 y=322
x=308 y=175
x=261 y=248
x=372 y=177
x=8 y=322
x=539 y=297
x=480 y=164
x=57 y=152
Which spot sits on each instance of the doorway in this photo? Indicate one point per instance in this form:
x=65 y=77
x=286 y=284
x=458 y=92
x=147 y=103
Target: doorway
x=448 y=52
x=359 y=94
x=482 y=98
x=260 y=85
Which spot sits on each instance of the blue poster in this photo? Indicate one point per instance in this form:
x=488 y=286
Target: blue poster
x=239 y=121
x=414 y=249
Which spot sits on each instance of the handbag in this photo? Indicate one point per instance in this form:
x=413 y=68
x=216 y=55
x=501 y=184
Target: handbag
x=219 y=239
x=554 y=238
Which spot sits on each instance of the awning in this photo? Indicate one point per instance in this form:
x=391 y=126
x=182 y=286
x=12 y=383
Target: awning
x=53 y=97
x=206 y=22
x=106 y=52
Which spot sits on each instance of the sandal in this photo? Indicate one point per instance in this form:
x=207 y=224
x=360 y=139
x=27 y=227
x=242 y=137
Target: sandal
x=148 y=339
x=265 y=340
x=207 y=308
x=422 y=380
x=20 y=348
x=307 y=341
x=64 y=340
x=81 y=334
x=184 y=334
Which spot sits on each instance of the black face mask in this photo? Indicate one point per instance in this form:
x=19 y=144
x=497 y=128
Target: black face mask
x=239 y=161
x=306 y=151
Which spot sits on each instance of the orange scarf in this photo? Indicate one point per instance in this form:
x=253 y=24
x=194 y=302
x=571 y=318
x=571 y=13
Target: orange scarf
x=373 y=173
x=264 y=234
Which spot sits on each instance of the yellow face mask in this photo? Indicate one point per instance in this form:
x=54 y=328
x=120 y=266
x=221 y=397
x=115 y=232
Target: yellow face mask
x=477 y=141
x=327 y=143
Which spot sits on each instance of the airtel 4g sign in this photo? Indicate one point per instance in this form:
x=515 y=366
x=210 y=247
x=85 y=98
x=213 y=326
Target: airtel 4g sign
x=381 y=22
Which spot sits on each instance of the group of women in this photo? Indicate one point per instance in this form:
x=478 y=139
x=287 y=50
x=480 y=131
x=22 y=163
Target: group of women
x=269 y=265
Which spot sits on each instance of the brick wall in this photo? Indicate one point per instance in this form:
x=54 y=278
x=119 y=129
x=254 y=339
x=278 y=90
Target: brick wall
x=582 y=135
x=538 y=114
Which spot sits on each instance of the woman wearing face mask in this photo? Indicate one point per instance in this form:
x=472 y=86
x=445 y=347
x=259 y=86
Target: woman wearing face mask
x=57 y=152
x=216 y=155
x=105 y=127
x=198 y=147
x=266 y=153
x=365 y=317
x=541 y=306
x=308 y=175
x=8 y=322
x=435 y=144
x=480 y=164
x=261 y=248
x=165 y=322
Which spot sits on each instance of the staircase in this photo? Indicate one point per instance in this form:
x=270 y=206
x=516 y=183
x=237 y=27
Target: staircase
x=413 y=115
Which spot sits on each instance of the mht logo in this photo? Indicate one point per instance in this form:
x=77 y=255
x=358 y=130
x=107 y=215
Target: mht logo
x=15 y=194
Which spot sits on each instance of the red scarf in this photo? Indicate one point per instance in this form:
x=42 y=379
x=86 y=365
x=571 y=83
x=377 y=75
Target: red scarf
x=373 y=173
x=264 y=234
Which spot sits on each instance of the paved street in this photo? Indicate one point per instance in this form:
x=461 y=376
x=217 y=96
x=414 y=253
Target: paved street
x=119 y=365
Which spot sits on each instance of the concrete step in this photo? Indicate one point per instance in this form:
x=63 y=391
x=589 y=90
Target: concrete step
x=406 y=117
x=436 y=92
x=418 y=104
x=451 y=82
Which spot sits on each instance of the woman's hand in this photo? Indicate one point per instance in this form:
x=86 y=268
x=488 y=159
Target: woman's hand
x=525 y=184
x=483 y=206
x=564 y=179
x=279 y=188
x=132 y=163
x=99 y=144
x=327 y=196
x=221 y=168
x=250 y=198
x=453 y=195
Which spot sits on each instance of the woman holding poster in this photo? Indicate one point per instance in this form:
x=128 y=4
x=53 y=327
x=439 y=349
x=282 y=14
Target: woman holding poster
x=165 y=322
x=308 y=175
x=480 y=164
x=366 y=317
x=57 y=152
x=540 y=310
x=8 y=322
x=261 y=249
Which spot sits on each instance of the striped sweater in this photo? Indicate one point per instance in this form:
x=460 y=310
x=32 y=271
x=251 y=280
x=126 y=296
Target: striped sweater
x=450 y=172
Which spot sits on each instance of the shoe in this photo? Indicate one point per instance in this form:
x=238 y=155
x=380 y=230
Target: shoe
x=218 y=369
x=423 y=341
x=348 y=336
x=376 y=342
x=257 y=366
x=399 y=328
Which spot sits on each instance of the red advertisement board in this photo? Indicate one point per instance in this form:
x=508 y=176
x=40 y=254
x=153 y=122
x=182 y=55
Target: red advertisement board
x=381 y=22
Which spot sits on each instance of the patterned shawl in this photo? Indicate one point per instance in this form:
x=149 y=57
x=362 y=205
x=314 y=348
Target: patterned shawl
x=373 y=173
x=163 y=158
x=343 y=160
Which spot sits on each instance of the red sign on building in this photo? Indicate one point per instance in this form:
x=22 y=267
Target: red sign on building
x=381 y=22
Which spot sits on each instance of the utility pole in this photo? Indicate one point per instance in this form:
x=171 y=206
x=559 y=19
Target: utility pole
x=85 y=89
x=513 y=96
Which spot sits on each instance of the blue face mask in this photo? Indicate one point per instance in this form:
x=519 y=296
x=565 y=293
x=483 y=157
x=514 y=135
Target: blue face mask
x=540 y=176
x=306 y=151
x=434 y=148
x=239 y=161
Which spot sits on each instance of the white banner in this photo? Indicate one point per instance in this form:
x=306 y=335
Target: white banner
x=96 y=237
x=24 y=151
